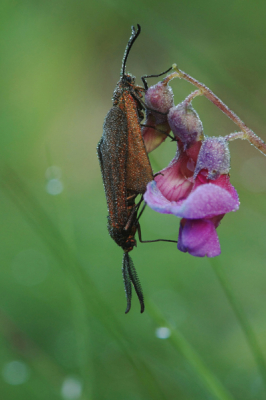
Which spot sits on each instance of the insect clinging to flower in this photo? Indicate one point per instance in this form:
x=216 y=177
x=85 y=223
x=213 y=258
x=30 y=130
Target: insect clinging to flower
x=195 y=186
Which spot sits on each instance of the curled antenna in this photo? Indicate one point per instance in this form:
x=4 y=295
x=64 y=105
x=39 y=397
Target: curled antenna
x=132 y=39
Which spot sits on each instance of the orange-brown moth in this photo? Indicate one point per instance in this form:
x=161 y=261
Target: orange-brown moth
x=125 y=168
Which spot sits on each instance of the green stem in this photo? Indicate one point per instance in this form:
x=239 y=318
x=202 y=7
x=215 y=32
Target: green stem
x=240 y=315
x=180 y=343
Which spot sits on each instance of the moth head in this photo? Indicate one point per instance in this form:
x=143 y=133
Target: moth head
x=128 y=79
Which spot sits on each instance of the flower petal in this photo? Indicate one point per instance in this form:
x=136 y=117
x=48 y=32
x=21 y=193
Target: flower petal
x=154 y=198
x=185 y=123
x=206 y=201
x=199 y=238
x=214 y=156
x=172 y=182
x=223 y=181
x=152 y=135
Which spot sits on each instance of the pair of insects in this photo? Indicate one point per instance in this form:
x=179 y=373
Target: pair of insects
x=125 y=167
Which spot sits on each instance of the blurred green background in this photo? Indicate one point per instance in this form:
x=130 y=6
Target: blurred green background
x=63 y=330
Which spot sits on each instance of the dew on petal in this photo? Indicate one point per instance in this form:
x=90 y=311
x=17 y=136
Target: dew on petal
x=15 y=372
x=163 y=332
x=71 y=388
x=159 y=97
x=185 y=123
x=214 y=156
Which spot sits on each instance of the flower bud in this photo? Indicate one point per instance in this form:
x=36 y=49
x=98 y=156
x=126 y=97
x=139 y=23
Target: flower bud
x=160 y=98
x=153 y=134
x=185 y=123
x=214 y=156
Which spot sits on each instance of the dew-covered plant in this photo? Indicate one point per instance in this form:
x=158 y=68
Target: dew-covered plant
x=196 y=184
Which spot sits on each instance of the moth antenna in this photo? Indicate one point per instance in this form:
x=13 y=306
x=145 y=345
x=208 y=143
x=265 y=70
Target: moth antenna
x=136 y=282
x=132 y=39
x=127 y=281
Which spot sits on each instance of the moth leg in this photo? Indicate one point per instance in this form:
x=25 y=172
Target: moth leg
x=133 y=196
x=143 y=78
x=136 y=97
x=158 y=173
x=141 y=211
x=129 y=221
x=152 y=241
x=159 y=130
x=133 y=212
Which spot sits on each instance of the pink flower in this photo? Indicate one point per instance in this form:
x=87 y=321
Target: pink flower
x=196 y=187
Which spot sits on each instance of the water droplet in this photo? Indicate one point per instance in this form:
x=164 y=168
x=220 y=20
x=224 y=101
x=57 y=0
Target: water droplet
x=162 y=332
x=15 y=372
x=71 y=388
x=54 y=186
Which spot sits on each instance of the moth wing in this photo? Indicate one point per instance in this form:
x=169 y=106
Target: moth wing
x=112 y=153
x=138 y=167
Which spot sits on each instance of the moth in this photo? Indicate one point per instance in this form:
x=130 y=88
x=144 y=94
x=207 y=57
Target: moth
x=125 y=168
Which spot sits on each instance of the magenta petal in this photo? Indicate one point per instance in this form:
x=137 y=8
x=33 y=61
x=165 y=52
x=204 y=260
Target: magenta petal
x=172 y=183
x=180 y=244
x=154 y=198
x=199 y=238
x=206 y=201
x=151 y=133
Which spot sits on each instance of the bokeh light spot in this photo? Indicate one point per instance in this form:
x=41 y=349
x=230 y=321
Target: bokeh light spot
x=162 y=332
x=15 y=372
x=54 y=186
x=71 y=388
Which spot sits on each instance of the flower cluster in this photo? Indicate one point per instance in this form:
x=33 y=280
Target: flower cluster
x=196 y=184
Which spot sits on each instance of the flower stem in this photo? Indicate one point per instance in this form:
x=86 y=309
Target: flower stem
x=180 y=343
x=248 y=134
x=242 y=319
x=234 y=136
x=192 y=95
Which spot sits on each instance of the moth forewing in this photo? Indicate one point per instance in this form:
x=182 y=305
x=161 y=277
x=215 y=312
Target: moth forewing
x=125 y=167
x=112 y=152
x=138 y=168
